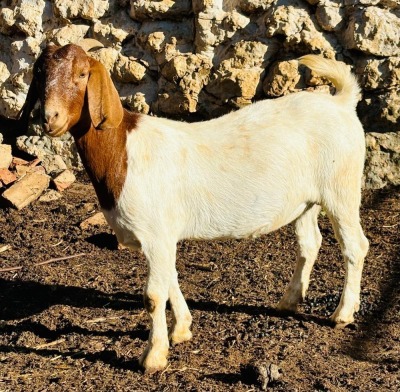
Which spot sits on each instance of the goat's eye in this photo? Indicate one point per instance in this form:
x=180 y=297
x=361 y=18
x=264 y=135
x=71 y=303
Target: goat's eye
x=83 y=75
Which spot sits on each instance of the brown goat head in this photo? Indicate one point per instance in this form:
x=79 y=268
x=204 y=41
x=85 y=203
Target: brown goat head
x=75 y=91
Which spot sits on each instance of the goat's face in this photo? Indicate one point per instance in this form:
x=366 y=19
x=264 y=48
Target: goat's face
x=75 y=91
x=61 y=75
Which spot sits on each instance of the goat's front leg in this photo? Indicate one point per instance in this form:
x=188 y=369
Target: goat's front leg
x=161 y=267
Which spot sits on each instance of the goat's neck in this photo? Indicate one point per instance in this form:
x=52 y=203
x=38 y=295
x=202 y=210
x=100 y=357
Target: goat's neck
x=104 y=155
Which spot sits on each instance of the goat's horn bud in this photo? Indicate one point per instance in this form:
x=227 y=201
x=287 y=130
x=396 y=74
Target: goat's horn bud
x=88 y=44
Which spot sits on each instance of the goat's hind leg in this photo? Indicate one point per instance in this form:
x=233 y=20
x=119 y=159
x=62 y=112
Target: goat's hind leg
x=182 y=319
x=309 y=241
x=354 y=245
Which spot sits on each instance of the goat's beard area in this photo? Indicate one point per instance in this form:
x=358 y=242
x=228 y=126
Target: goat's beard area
x=59 y=131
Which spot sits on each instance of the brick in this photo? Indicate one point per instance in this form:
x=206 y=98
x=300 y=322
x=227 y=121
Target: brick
x=95 y=220
x=5 y=156
x=7 y=177
x=26 y=190
x=18 y=161
x=64 y=180
x=22 y=170
x=49 y=196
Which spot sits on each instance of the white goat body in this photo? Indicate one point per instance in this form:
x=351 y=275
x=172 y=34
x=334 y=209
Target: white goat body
x=242 y=175
x=245 y=174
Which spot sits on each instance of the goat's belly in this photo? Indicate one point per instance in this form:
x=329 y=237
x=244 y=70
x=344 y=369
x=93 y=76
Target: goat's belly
x=243 y=226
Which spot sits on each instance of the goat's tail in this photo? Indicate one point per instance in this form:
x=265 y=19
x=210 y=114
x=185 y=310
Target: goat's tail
x=338 y=73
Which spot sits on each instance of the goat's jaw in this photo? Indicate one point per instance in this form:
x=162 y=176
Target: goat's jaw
x=56 y=132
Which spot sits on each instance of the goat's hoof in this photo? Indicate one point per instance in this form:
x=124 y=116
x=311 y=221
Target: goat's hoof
x=154 y=369
x=181 y=336
x=340 y=322
x=152 y=362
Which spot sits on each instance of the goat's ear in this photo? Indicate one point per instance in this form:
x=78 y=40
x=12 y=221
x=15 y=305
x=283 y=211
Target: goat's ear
x=105 y=107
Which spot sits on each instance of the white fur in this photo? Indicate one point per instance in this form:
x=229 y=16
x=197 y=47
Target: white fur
x=242 y=175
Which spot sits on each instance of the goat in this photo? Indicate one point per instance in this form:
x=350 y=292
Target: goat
x=242 y=175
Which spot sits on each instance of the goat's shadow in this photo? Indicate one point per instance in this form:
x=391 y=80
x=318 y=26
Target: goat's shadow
x=23 y=299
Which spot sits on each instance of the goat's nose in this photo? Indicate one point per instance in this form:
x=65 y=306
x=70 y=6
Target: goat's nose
x=50 y=116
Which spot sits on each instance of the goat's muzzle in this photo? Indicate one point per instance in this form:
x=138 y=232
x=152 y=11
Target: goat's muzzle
x=54 y=124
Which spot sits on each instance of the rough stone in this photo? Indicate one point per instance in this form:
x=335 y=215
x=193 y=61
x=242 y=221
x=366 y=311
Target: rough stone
x=380 y=111
x=382 y=166
x=7 y=177
x=28 y=16
x=283 y=78
x=190 y=73
x=50 y=195
x=85 y=9
x=375 y=31
x=239 y=76
x=68 y=34
x=161 y=9
x=95 y=220
x=331 y=15
x=64 y=180
x=53 y=164
x=378 y=73
x=116 y=29
x=28 y=189
x=5 y=156
x=295 y=23
x=127 y=70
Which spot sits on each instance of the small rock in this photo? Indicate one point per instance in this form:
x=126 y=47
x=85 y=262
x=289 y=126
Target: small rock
x=88 y=208
x=35 y=162
x=22 y=170
x=28 y=189
x=18 y=161
x=5 y=156
x=64 y=180
x=95 y=220
x=7 y=177
x=263 y=373
x=50 y=195
x=53 y=163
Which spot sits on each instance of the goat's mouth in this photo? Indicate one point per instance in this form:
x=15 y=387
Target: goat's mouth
x=57 y=131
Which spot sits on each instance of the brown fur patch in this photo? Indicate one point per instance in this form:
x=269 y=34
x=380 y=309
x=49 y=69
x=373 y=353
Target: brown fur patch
x=104 y=156
x=149 y=304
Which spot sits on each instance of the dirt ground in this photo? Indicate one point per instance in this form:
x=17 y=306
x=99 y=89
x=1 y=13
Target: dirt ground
x=79 y=324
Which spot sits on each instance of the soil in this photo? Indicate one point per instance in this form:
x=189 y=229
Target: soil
x=79 y=324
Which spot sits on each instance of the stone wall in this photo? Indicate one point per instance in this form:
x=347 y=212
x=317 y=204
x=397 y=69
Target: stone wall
x=199 y=59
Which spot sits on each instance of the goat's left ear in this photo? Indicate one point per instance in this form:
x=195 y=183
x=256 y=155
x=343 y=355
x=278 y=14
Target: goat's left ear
x=105 y=107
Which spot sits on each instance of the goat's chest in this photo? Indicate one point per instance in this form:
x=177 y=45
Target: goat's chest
x=123 y=229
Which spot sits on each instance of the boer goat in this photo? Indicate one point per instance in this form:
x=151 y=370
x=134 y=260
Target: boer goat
x=242 y=175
